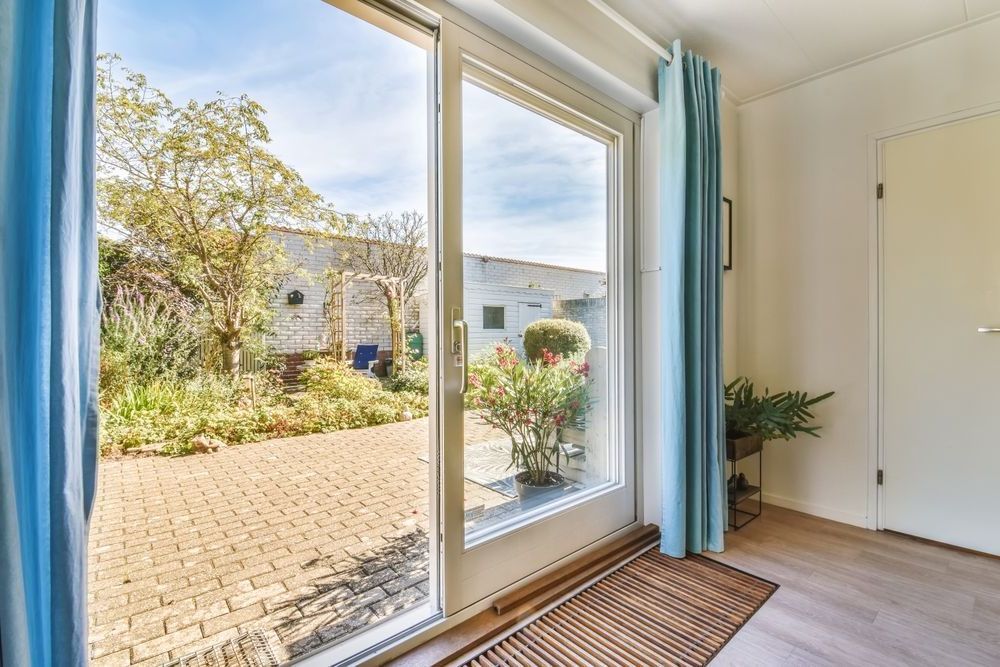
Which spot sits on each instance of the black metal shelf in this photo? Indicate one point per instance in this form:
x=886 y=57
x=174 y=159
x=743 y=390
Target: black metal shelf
x=742 y=494
x=739 y=517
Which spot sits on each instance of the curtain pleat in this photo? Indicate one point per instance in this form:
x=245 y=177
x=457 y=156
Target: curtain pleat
x=49 y=330
x=694 y=513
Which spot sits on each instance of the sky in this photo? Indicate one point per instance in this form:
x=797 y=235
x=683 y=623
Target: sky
x=347 y=108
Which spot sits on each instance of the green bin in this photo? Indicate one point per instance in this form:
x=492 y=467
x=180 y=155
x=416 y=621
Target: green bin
x=415 y=344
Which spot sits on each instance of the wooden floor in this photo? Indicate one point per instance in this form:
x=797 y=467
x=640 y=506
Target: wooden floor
x=850 y=596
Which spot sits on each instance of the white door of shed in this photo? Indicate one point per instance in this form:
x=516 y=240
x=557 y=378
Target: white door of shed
x=526 y=314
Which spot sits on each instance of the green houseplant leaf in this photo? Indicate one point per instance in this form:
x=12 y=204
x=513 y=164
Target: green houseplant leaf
x=772 y=416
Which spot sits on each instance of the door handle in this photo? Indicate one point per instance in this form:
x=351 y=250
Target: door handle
x=460 y=347
x=988 y=330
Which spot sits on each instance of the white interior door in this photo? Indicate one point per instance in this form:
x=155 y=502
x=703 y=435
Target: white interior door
x=536 y=174
x=941 y=336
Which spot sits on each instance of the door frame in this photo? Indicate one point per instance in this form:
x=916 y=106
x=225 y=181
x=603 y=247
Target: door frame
x=875 y=515
x=468 y=55
x=406 y=631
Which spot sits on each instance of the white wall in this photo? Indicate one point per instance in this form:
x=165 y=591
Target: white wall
x=478 y=295
x=802 y=254
x=649 y=311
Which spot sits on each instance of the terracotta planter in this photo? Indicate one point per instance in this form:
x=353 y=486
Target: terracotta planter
x=741 y=445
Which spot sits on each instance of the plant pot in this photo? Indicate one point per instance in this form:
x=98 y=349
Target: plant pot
x=526 y=490
x=741 y=445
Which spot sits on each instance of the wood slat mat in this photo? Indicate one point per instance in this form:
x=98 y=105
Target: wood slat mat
x=654 y=610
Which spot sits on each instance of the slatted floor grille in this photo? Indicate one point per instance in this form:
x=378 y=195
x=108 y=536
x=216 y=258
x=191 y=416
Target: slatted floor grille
x=250 y=649
x=654 y=610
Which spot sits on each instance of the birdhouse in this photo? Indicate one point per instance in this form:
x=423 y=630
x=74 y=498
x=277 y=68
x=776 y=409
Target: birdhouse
x=295 y=298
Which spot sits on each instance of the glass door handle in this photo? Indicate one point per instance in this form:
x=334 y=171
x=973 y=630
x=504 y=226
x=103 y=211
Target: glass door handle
x=460 y=348
x=988 y=330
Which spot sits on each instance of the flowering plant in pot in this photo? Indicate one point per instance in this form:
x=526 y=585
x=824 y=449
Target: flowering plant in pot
x=530 y=401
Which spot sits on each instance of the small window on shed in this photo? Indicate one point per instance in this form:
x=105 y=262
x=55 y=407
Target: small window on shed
x=493 y=317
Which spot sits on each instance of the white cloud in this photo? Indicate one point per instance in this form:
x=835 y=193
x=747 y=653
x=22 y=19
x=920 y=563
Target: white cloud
x=347 y=108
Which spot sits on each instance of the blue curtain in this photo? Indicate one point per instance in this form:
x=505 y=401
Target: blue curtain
x=694 y=502
x=49 y=327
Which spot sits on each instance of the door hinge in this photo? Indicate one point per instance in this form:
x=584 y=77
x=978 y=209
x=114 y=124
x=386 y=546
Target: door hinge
x=880 y=191
x=879 y=477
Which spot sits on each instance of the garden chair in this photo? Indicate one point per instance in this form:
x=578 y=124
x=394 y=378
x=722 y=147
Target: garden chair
x=365 y=357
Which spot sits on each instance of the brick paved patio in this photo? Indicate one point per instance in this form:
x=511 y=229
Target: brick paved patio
x=307 y=538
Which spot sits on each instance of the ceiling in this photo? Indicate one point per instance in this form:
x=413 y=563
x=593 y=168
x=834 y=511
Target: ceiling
x=764 y=45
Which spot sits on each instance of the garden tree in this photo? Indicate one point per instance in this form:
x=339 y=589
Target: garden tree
x=196 y=192
x=394 y=246
x=122 y=268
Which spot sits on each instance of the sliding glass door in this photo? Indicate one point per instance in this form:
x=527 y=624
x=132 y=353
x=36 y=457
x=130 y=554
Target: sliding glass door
x=537 y=451
x=383 y=382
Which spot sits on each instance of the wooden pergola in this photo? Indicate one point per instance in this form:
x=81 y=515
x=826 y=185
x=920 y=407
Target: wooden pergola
x=337 y=311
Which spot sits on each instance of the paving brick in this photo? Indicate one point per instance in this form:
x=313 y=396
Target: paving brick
x=255 y=595
x=175 y=623
x=121 y=658
x=232 y=619
x=161 y=645
x=188 y=551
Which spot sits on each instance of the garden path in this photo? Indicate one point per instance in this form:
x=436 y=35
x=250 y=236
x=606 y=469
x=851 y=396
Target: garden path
x=307 y=538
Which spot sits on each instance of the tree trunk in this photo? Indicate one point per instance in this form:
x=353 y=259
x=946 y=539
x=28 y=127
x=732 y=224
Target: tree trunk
x=395 y=333
x=231 y=356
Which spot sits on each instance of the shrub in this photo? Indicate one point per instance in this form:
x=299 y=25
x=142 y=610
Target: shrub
x=144 y=340
x=562 y=337
x=171 y=412
x=337 y=394
x=416 y=378
x=336 y=379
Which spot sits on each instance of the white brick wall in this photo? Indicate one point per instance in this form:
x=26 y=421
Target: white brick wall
x=565 y=283
x=478 y=295
x=490 y=281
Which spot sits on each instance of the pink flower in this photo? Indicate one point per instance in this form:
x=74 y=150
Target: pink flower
x=550 y=359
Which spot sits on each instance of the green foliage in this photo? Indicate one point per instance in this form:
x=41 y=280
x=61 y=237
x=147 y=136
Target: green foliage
x=336 y=379
x=530 y=401
x=414 y=378
x=145 y=340
x=332 y=381
x=564 y=337
x=771 y=416
x=171 y=412
x=196 y=193
x=120 y=267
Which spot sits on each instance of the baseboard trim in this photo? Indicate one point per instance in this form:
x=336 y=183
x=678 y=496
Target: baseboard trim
x=859 y=520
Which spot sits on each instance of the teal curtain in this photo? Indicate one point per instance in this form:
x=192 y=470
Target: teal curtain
x=694 y=501
x=49 y=323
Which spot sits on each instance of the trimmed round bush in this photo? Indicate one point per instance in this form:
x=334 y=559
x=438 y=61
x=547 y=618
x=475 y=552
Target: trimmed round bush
x=564 y=337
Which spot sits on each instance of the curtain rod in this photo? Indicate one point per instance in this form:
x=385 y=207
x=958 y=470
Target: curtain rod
x=648 y=41
x=631 y=28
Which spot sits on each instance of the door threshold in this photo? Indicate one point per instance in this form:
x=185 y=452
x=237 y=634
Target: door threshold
x=527 y=602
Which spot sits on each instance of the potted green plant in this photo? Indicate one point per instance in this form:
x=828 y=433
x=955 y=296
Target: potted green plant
x=752 y=419
x=530 y=401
